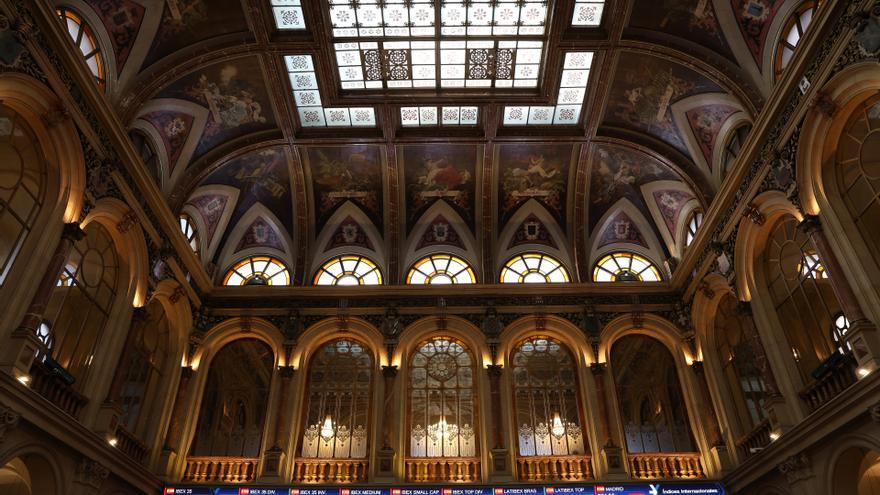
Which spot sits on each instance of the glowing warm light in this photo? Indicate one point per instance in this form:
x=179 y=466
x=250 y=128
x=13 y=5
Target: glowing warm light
x=774 y=435
x=863 y=372
x=558 y=429
x=113 y=442
x=327 y=429
x=24 y=380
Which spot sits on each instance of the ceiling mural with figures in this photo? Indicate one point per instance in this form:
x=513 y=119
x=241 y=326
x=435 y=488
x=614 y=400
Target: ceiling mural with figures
x=212 y=86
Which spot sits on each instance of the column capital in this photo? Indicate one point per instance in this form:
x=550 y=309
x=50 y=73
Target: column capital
x=91 y=473
x=697 y=367
x=72 y=232
x=598 y=368
x=810 y=224
x=9 y=420
x=494 y=370
x=389 y=371
x=287 y=372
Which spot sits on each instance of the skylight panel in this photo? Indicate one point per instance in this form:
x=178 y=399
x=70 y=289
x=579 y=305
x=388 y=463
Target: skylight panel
x=569 y=101
x=587 y=13
x=378 y=18
x=288 y=14
x=493 y=17
x=432 y=116
x=309 y=106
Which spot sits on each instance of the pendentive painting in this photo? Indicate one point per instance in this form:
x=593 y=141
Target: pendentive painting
x=534 y=171
x=234 y=93
x=345 y=173
x=645 y=88
x=440 y=172
x=693 y=20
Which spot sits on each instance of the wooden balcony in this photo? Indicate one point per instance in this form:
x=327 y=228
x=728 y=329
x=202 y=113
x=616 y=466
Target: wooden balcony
x=752 y=443
x=554 y=468
x=836 y=379
x=443 y=469
x=56 y=390
x=220 y=469
x=311 y=470
x=129 y=445
x=665 y=466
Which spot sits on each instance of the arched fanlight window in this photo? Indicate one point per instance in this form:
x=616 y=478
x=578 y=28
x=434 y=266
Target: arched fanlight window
x=44 y=335
x=548 y=417
x=625 y=267
x=82 y=300
x=338 y=411
x=801 y=293
x=84 y=38
x=838 y=333
x=694 y=222
x=145 y=150
x=258 y=270
x=441 y=269
x=794 y=30
x=733 y=146
x=188 y=227
x=442 y=400
x=22 y=185
x=529 y=268
x=349 y=270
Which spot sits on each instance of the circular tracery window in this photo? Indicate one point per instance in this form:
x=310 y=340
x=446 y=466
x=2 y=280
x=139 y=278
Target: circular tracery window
x=858 y=169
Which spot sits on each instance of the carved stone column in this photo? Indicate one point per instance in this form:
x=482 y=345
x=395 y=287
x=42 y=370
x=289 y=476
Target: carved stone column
x=499 y=452
x=19 y=351
x=862 y=335
x=717 y=448
x=385 y=456
x=111 y=410
x=274 y=456
x=611 y=464
x=175 y=426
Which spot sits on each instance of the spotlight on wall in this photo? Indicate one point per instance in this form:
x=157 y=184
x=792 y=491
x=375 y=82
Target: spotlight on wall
x=863 y=372
x=24 y=380
x=774 y=436
x=113 y=441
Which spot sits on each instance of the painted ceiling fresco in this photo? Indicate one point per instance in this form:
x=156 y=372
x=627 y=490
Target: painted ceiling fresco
x=694 y=20
x=440 y=172
x=235 y=95
x=644 y=90
x=206 y=81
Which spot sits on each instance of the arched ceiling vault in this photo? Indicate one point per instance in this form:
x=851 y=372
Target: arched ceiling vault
x=208 y=83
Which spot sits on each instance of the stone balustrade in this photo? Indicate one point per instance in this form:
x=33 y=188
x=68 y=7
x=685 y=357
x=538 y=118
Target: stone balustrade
x=658 y=466
x=554 y=468
x=310 y=470
x=220 y=469
x=442 y=469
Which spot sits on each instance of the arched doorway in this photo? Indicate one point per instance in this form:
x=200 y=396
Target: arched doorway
x=857 y=472
x=29 y=474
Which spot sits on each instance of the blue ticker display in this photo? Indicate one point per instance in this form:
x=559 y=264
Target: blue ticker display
x=657 y=488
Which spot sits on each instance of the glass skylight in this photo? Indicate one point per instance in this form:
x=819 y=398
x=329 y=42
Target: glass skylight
x=587 y=13
x=307 y=98
x=430 y=116
x=288 y=14
x=431 y=44
x=569 y=102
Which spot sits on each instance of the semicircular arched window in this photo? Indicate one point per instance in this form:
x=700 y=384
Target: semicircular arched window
x=258 y=270
x=545 y=388
x=694 y=222
x=349 y=270
x=84 y=38
x=188 y=227
x=625 y=267
x=441 y=269
x=794 y=30
x=338 y=411
x=734 y=146
x=533 y=268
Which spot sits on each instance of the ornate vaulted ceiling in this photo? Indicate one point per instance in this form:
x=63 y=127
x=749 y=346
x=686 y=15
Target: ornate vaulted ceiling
x=211 y=84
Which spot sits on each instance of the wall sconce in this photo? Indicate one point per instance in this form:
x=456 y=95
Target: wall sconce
x=327 y=430
x=774 y=436
x=24 y=380
x=558 y=428
x=112 y=441
x=863 y=372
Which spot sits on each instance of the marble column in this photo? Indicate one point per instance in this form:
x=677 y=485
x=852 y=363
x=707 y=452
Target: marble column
x=862 y=334
x=385 y=456
x=18 y=354
x=499 y=452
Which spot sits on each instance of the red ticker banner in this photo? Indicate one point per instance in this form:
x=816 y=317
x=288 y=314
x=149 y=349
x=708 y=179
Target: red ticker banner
x=656 y=488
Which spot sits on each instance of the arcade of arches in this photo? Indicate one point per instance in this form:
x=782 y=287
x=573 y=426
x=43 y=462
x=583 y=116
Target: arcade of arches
x=421 y=243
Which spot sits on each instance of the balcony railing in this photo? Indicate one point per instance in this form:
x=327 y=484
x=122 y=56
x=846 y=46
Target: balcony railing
x=554 y=468
x=754 y=441
x=54 y=388
x=836 y=378
x=442 y=469
x=129 y=445
x=657 y=466
x=220 y=469
x=310 y=470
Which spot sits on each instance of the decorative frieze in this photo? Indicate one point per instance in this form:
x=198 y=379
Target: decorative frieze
x=91 y=473
x=797 y=468
x=9 y=420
